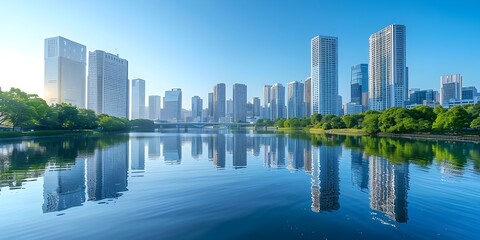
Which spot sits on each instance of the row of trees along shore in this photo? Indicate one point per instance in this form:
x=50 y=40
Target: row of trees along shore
x=20 y=110
x=421 y=119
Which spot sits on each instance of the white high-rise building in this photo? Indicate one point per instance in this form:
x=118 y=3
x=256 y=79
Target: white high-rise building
x=138 y=99
x=154 y=102
x=107 y=84
x=172 y=105
x=324 y=74
x=450 y=88
x=277 y=101
x=295 y=99
x=387 y=71
x=65 y=72
x=239 y=102
x=197 y=107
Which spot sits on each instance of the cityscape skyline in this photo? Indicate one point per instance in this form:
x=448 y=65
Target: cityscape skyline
x=22 y=46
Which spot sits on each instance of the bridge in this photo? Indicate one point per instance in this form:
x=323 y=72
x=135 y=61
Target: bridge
x=160 y=124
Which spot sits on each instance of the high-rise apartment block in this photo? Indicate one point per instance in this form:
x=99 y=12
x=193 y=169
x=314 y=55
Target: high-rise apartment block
x=172 y=105
x=295 y=99
x=107 y=84
x=197 y=107
x=277 y=101
x=239 y=102
x=256 y=108
x=450 y=88
x=65 y=72
x=138 y=99
x=219 y=101
x=388 y=80
x=154 y=108
x=308 y=97
x=324 y=73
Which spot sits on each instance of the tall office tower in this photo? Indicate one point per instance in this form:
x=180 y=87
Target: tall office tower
x=218 y=101
x=450 y=88
x=324 y=73
x=210 y=105
x=256 y=106
x=65 y=70
x=239 y=102
x=308 y=97
x=197 y=107
x=388 y=185
x=229 y=112
x=138 y=98
x=172 y=105
x=469 y=92
x=359 y=84
x=266 y=101
x=387 y=83
x=295 y=99
x=107 y=84
x=277 y=101
x=154 y=102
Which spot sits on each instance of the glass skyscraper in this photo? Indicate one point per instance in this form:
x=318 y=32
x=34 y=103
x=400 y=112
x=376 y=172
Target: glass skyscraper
x=138 y=99
x=295 y=99
x=239 y=102
x=359 y=84
x=388 y=81
x=324 y=74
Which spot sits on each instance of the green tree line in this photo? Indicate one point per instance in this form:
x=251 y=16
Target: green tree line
x=421 y=119
x=20 y=110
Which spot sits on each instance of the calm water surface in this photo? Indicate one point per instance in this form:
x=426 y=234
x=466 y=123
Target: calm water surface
x=227 y=185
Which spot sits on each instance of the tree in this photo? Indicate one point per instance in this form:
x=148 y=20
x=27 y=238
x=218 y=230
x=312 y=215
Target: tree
x=86 y=119
x=15 y=110
x=315 y=118
x=350 y=121
x=475 y=124
x=370 y=123
x=67 y=115
x=142 y=124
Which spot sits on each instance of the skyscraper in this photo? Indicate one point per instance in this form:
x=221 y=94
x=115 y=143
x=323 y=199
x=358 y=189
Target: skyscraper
x=197 y=107
x=107 y=84
x=450 y=88
x=295 y=99
x=266 y=101
x=138 y=98
x=65 y=72
x=218 y=101
x=210 y=105
x=308 y=97
x=324 y=73
x=154 y=102
x=239 y=102
x=256 y=106
x=172 y=105
x=277 y=101
x=387 y=84
x=359 y=84
x=229 y=112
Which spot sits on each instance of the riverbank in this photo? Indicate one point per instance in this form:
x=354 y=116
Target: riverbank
x=41 y=134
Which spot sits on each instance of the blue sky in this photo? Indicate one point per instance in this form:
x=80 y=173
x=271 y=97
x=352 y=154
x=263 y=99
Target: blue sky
x=196 y=44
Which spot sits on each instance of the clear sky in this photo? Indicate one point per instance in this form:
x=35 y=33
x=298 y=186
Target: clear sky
x=196 y=44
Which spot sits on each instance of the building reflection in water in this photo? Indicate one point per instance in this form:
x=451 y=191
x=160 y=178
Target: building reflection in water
x=64 y=187
x=275 y=152
x=253 y=143
x=107 y=172
x=359 y=169
x=209 y=140
x=197 y=150
x=137 y=153
x=154 y=148
x=219 y=150
x=325 y=178
x=172 y=149
x=239 y=151
x=388 y=188
x=296 y=156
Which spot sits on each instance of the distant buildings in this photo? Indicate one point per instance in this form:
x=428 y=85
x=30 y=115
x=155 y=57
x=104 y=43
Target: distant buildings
x=266 y=101
x=239 y=102
x=107 y=84
x=218 y=101
x=450 y=88
x=295 y=100
x=210 y=107
x=138 y=99
x=469 y=93
x=308 y=96
x=197 y=106
x=154 y=102
x=387 y=83
x=277 y=101
x=359 y=84
x=256 y=108
x=324 y=74
x=65 y=72
x=172 y=105
x=421 y=97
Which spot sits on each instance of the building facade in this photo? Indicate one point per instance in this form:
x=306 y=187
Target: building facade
x=256 y=108
x=107 y=84
x=450 y=88
x=138 y=99
x=308 y=97
x=359 y=84
x=65 y=72
x=172 y=105
x=239 y=102
x=388 y=80
x=324 y=74
x=197 y=107
x=277 y=101
x=219 y=101
x=469 y=93
x=295 y=104
x=154 y=107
